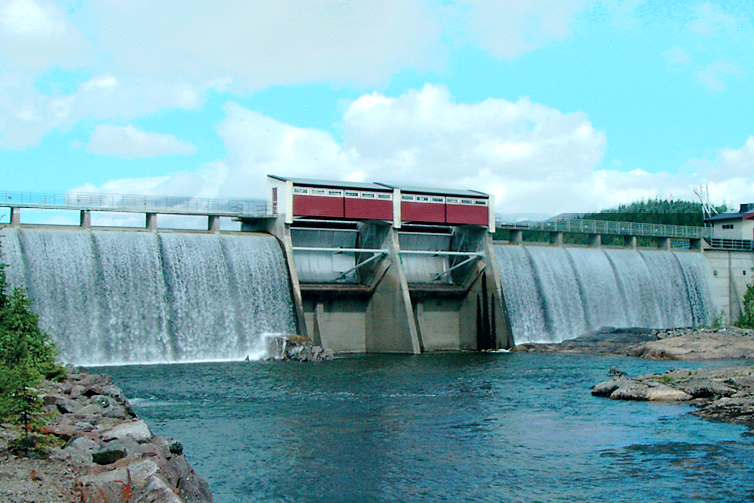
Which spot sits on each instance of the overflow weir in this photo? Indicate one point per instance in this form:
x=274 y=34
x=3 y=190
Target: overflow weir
x=357 y=267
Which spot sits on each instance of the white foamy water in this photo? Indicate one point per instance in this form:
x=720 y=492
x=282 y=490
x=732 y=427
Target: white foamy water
x=109 y=297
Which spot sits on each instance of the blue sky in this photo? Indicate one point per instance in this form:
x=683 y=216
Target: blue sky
x=550 y=105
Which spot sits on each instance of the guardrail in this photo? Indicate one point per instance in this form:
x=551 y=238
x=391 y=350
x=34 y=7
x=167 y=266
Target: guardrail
x=610 y=227
x=136 y=203
x=731 y=244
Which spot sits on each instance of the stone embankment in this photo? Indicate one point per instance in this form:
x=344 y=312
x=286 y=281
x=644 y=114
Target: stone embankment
x=105 y=453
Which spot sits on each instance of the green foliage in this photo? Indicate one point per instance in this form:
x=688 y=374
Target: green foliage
x=26 y=356
x=747 y=316
x=718 y=320
x=656 y=211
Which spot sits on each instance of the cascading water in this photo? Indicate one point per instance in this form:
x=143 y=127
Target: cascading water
x=110 y=297
x=554 y=294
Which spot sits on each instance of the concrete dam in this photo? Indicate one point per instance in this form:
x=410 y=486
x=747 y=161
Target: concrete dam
x=136 y=296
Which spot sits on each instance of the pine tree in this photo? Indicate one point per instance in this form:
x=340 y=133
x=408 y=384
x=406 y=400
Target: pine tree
x=26 y=356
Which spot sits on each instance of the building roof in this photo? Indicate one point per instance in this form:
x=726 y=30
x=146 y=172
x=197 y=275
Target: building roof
x=745 y=212
x=378 y=186
x=435 y=190
x=311 y=182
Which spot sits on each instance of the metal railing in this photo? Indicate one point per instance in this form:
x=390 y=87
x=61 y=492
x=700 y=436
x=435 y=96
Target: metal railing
x=610 y=227
x=135 y=203
x=731 y=244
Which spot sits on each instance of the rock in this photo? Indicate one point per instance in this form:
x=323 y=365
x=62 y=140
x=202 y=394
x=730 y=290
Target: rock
x=633 y=390
x=725 y=394
x=157 y=491
x=606 y=388
x=105 y=459
x=109 y=453
x=136 y=430
x=296 y=348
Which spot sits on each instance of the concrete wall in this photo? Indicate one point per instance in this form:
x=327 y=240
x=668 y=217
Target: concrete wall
x=731 y=273
x=384 y=313
x=391 y=327
x=438 y=323
x=337 y=323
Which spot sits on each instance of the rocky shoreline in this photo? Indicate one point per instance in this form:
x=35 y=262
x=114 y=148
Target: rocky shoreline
x=104 y=453
x=719 y=394
x=672 y=344
x=723 y=394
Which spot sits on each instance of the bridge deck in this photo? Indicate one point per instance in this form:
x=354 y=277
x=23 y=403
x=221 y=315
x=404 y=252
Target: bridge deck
x=240 y=208
x=609 y=227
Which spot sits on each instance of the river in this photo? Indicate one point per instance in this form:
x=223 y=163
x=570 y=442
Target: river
x=509 y=427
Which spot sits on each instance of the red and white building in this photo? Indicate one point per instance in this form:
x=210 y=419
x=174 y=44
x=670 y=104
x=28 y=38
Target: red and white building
x=300 y=198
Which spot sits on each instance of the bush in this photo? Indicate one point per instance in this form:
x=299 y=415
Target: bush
x=747 y=316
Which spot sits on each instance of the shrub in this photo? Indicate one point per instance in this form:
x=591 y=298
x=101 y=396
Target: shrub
x=747 y=315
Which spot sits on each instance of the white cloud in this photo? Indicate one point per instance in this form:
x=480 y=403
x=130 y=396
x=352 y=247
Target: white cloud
x=710 y=20
x=423 y=136
x=264 y=43
x=677 y=56
x=508 y=28
x=532 y=157
x=36 y=34
x=128 y=142
x=715 y=76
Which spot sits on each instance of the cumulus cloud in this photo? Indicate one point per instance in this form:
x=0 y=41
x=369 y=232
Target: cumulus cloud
x=532 y=157
x=128 y=142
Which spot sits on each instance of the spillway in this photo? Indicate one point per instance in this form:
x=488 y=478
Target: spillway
x=554 y=294
x=113 y=297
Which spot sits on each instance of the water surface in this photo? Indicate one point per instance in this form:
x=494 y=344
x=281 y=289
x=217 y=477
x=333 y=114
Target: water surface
x=437 y=427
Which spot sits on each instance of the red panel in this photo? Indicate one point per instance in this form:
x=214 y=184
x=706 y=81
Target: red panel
x=467 y=214
x=318 y=206
x=369 y=209
x=422 y=212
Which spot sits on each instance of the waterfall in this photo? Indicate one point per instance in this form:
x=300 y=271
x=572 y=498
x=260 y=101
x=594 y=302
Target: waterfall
x=112 y=297
x=553 y=294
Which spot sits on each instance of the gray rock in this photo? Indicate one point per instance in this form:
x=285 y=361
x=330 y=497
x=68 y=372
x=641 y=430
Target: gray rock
x=606 y=388
x=109 y=453
x=157 y=490
x=136 y=430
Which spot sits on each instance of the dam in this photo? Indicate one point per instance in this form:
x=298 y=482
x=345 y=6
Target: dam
x=358 y=272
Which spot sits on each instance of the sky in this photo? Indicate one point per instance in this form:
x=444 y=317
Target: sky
x=550 y=105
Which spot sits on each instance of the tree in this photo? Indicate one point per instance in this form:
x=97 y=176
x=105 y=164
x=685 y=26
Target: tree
x=26 y=356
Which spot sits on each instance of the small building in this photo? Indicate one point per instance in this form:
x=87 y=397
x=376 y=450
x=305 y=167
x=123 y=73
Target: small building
x=733 y=225
x=298 y=198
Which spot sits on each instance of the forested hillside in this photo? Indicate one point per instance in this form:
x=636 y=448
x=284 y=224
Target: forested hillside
x=655 y=211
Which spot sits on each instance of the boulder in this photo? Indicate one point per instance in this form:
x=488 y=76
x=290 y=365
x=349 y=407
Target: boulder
x=136 y=430
x=109 y=453
x=157 y=491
